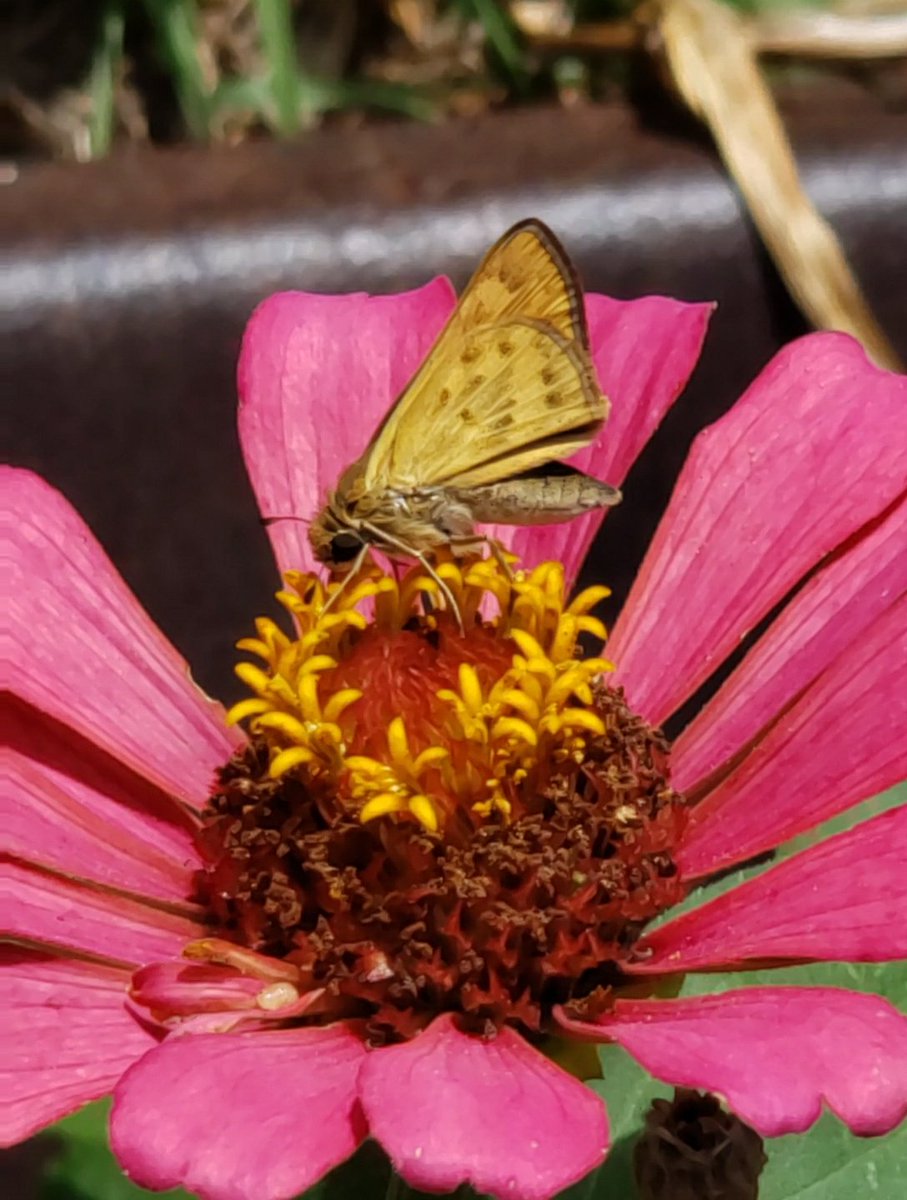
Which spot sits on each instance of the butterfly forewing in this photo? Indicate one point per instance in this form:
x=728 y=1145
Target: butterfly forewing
x=527 y=403
x=526 y=274
x=508 y=386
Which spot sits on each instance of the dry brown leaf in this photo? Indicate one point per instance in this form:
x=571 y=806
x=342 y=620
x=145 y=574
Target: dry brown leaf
x=711 y=60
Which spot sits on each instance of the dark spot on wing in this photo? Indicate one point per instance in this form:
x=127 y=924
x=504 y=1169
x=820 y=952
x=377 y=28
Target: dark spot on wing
x=505 y=348
x=554 y=399
x=502 y=422
x=443 y=396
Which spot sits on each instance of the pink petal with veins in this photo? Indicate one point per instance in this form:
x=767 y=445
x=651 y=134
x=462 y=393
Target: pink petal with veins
x=316 y=376
x=66 y=805
x=66 y=1038
x=451 y=1109
x=255 y=1116
x=55 y=911
x=814 y=449
x=83 y=650
x=644 y=352
x=776 y=1054
x=843 y=899
x=861 y=580
x=842 y=742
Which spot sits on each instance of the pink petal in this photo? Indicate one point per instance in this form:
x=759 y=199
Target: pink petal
x=66 y=1038
x=843 y=899
x=85 y=652
x=644 y=352
x=259 y=1116
x=316 y=376
x=452 y=1109
x=105 y=825
x=44 y=908
x=775 y=1054
x=814 y=449
x=171 y=989
x=841 y=742
x=834 y=608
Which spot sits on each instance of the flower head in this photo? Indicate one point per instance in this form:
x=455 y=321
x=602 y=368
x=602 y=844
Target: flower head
x=426 y=821
x=361 y=904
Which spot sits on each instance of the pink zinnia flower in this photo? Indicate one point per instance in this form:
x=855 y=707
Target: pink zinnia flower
x=378 y=956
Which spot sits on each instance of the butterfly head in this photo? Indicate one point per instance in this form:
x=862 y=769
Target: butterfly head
x=335 y=540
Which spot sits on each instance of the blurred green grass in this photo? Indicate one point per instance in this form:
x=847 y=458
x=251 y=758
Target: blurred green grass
x=220 y=71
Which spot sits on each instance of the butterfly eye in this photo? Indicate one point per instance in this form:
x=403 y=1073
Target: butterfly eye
x=345 y=547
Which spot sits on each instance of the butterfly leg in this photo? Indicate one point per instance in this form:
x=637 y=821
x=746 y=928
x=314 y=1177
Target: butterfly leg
x=382 y=536
x=476 y=542
x=348 y=577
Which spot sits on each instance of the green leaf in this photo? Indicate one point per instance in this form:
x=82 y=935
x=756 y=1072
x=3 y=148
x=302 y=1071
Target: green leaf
x=882 y=979
x=328 y=94
x=830 y=1163
x=365 y=1175
x=84 y=1167
x=628 y=1091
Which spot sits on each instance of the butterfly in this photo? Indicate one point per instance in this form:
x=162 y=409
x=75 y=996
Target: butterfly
x=507 y=390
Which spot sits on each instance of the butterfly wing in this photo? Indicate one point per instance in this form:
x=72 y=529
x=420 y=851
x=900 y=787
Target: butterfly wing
x=509 y=384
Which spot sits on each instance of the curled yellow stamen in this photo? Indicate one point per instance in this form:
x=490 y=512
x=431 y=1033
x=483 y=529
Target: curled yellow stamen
x=490 y=732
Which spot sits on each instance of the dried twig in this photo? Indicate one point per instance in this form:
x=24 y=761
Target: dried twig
x=712 y=64
x=868 y=32
x=830 y=35
x=710 y=56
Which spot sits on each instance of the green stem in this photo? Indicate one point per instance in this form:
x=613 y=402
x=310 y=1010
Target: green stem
x=372 y=93
x=275 y=26
x=103 y=77
x=175 y=26
x=502 y=35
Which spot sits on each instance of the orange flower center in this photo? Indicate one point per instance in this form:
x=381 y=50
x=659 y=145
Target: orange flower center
x=430 y=821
